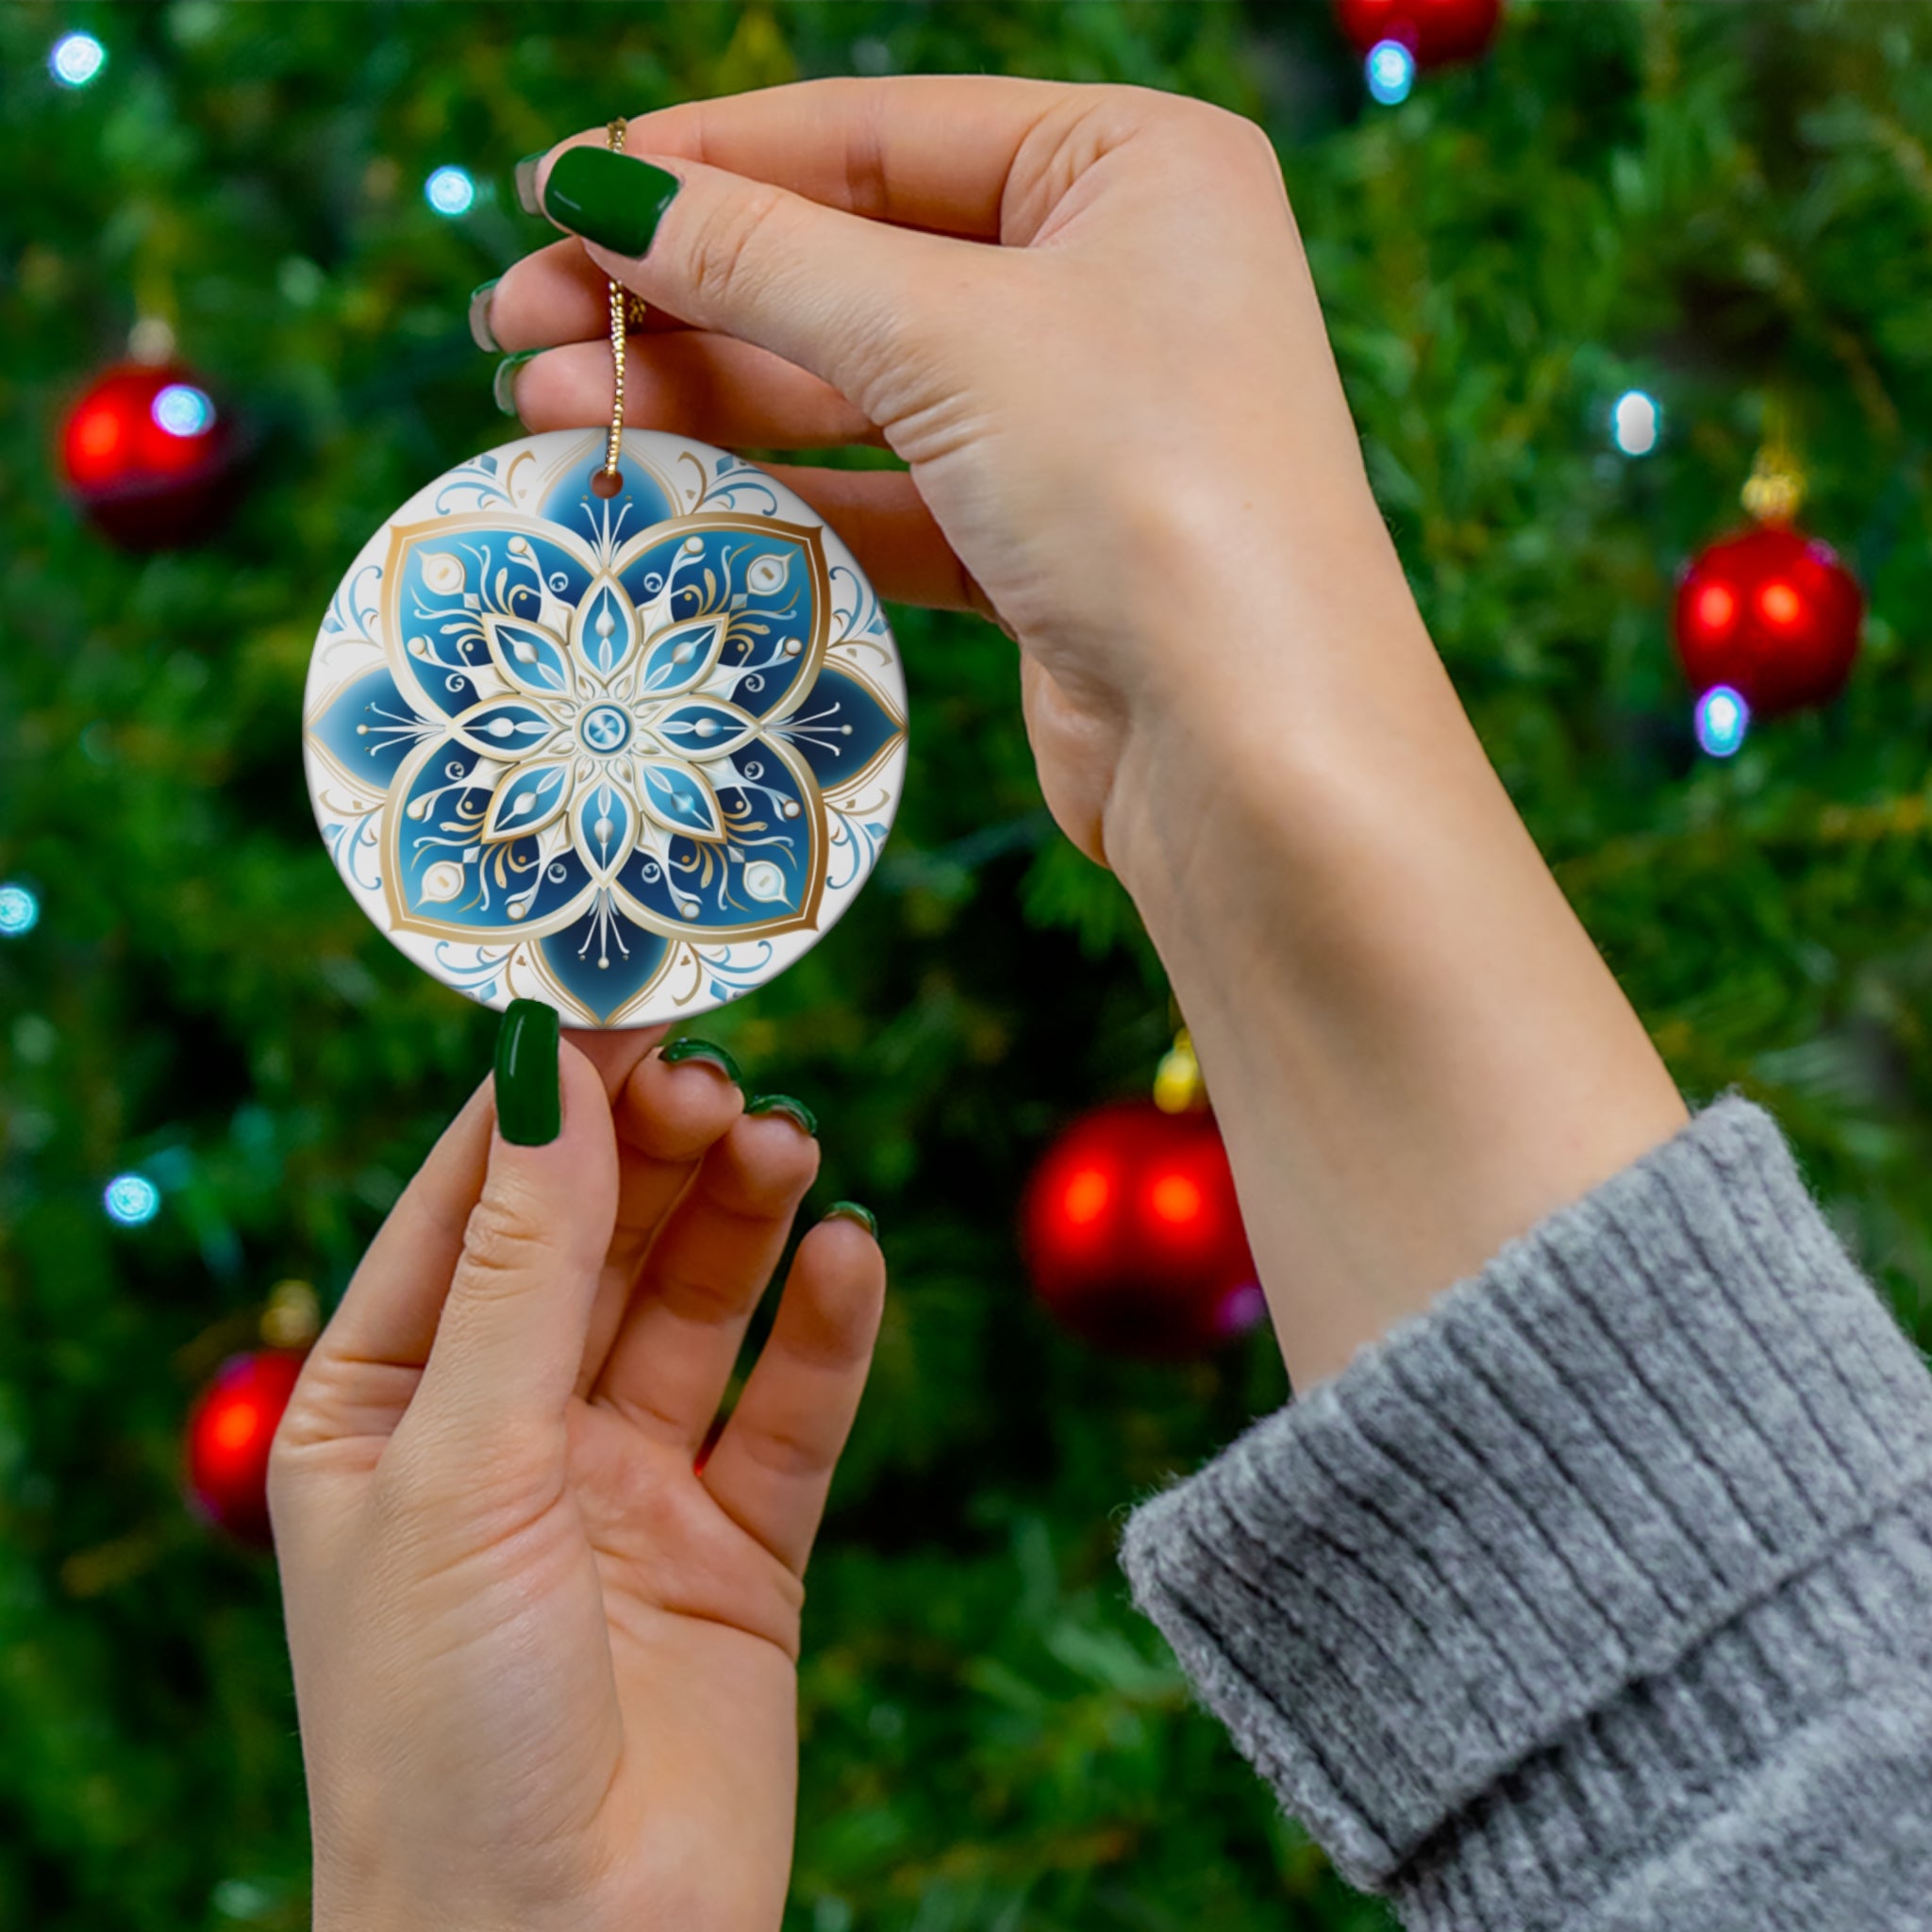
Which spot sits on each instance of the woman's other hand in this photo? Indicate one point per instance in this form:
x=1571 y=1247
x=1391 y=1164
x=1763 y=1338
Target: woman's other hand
x=544 y=1661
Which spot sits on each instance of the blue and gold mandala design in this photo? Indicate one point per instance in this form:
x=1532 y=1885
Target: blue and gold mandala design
x=629 y=754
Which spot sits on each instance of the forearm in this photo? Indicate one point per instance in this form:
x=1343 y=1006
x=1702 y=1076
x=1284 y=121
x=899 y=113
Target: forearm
x=1413 y=1048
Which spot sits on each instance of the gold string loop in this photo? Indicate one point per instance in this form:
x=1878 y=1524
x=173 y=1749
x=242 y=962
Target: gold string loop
x=627 y=312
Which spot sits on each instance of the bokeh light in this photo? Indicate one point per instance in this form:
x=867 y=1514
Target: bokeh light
x=131 y=1199
x=1722 y=719
x=450 y=192
x=76 y=59
x=1636 y=422
x=1391 y=72
x=182 y=410
x=20 y=911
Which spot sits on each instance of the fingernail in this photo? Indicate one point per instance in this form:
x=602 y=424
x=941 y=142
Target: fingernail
x=480 y=331
x=530 y=1096
x=608 y=198
x=526 y=183
x=503 y=385
x=800 y=1115
x=851 y=1210
x=681 y=1050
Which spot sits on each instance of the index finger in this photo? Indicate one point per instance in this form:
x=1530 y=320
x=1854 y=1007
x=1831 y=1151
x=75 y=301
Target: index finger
x=919 y=151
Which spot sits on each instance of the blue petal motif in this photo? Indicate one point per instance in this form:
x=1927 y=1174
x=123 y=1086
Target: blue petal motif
x=506 y=729
x=445 y=580
x=702 y=729
x=679 y=798
x=641 y=502
x=768 y=587
x=839 y=728
x=603 y=825
x=369 y=730
x=527 y=800
x=602 y=959
x=530 y=656
x=772 y=822
x=680 y=655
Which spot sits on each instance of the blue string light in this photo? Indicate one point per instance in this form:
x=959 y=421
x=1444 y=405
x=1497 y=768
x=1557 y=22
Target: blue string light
x=182 y=410
x=77 y=58
x=1722 y=719
x=131 y=1199
x=450 y=192
x=20 y=911
x=1391 y=72
x=1636 y=422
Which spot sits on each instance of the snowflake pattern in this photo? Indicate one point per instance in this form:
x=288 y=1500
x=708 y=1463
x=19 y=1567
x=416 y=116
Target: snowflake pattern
x=629 y=754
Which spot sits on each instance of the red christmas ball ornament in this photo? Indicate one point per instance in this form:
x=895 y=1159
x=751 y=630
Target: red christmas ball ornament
x=1771 y=613
x=229 y=1431
x=1133 y=1236
x=1435 y=31
x=149 y=456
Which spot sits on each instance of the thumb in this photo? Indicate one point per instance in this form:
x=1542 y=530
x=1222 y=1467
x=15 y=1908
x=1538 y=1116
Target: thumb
x=836 y=294
x=510 y=1340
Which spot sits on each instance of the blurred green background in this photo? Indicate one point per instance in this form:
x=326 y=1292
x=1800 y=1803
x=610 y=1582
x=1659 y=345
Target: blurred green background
x=1722 y=204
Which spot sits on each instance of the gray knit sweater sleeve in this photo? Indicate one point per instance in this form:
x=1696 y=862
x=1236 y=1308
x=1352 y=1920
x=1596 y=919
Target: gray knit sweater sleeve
x=1600 y=1595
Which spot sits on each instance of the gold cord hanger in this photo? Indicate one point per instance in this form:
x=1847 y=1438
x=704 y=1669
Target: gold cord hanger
x=627 y=312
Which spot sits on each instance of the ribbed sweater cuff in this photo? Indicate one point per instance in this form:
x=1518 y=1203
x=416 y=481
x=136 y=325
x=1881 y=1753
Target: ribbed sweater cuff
x=1514 y=1544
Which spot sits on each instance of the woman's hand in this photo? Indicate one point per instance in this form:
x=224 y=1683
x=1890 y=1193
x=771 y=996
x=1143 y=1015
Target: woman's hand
x=1083 y=317
x=1129 y=397
x=544 y=1666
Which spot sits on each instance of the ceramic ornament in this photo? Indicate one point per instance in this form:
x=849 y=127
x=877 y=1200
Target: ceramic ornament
x=631 y=754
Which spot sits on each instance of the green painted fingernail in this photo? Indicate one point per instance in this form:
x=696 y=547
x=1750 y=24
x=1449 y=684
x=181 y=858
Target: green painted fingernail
x=480 y=331
x=529 y=1088
x=526 y=183
x=504 y=384
x=851 y=1210
x=608 y=198
x=704 y=1050
x=794 y=1111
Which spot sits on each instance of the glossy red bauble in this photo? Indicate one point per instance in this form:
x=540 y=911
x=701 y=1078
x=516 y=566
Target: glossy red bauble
x=229 y=1431
x=1435 y=31
x=1133 y=1236
x=1774 y=614
x=149 y=456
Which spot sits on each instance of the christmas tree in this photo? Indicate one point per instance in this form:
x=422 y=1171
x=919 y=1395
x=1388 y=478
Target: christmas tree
x=1721 y=212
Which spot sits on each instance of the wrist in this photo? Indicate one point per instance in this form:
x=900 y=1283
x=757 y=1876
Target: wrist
x=1413 y=1048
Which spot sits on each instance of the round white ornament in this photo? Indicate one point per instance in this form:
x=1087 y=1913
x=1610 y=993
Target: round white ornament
x=631 y=755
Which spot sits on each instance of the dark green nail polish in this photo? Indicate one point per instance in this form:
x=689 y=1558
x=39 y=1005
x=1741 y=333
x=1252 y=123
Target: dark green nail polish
x=794 y=1111
x=851 y=1210
x=530 y=1096
x=712 y=1056
x=608 y=198
x=480 y=331
x=525 y=178
x=504 y=384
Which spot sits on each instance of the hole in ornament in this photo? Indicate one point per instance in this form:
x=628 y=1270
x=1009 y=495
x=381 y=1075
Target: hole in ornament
x=607 y=483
